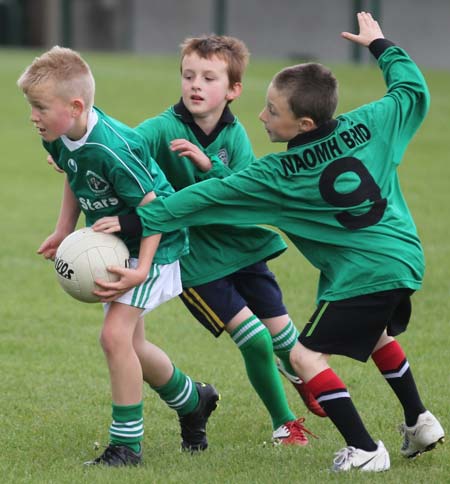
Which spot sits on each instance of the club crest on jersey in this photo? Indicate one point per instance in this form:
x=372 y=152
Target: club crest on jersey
x=96 y=183
x=72 y=164
x=222 y=154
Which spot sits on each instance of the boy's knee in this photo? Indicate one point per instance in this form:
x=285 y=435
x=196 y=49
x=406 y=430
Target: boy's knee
x=297 y=357
x=110 y=340
x=306 y=362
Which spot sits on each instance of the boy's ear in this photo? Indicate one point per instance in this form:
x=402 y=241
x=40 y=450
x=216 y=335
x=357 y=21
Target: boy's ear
x=305 y=124
x=234 y=91
x=77 y=107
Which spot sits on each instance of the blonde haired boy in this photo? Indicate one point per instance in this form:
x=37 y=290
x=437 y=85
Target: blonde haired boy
x=109 y=172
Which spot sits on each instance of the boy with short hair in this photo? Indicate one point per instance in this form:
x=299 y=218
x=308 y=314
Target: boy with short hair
x=226 y=282
x=335 y=193
x=109 y=171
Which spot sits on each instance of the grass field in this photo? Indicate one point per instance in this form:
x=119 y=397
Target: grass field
x=54 y=390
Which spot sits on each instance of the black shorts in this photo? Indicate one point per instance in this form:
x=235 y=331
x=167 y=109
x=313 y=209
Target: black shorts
x=352 y=327
x=214 y=304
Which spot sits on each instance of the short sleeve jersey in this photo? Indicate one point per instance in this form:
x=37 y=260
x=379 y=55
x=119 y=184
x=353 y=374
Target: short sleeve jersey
x=217 y=250
x=334 y=191
x=110 y=171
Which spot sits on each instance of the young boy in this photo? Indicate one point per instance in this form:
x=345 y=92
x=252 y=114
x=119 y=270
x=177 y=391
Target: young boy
x=335 y=193
x=226 y=281
x=109 y=171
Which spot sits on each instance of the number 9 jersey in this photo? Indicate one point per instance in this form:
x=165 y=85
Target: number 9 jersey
x=334 y=192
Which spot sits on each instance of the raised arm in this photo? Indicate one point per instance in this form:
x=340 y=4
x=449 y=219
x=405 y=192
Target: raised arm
x=369 y=30
x=406 y=103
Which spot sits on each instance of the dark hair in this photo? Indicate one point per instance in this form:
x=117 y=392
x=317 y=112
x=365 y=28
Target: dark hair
x=233 y=51
x=311 y=90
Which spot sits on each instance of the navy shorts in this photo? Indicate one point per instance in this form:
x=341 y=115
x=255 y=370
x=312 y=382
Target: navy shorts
x=352 y=327
x=214 y=304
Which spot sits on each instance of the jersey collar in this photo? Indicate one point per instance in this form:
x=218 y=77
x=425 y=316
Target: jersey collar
x=181 y=110
x=72 y=145
x=310 y=136
x=204 y=139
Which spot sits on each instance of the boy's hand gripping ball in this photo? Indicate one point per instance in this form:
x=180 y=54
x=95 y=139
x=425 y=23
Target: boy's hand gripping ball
x=83 y=257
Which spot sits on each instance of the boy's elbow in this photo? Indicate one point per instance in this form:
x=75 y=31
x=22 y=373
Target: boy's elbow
x=422 y=103
x=424 y=96
x=426 y=101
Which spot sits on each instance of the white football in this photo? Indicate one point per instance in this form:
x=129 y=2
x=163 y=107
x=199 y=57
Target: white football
x=83 y=257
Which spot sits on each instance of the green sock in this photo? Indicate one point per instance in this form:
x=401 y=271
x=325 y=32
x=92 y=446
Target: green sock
x=283 y=342
x=254 y=341
x=127 y=427
x=180 y=393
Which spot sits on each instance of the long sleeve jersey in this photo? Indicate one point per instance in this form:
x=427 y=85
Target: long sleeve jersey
x=334 y=191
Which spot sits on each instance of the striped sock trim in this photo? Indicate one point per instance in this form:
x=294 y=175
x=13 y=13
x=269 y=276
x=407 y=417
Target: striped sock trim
x=286 y=338
x=391 y=360
x=247 y=330
x=130 y=430
x=180 y=400
x=397 y=373
x=333 y=396
x=326 y=386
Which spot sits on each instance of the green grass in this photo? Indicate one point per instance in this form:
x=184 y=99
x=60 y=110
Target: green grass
x=54 y=396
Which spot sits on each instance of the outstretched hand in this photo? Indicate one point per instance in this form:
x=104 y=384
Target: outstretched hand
x=369 y=30
x=50 y=245
x=193 y=152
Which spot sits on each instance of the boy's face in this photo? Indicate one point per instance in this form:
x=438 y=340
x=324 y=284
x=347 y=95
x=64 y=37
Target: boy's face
x=205 y=85
x=279 y=121
x=51 y=114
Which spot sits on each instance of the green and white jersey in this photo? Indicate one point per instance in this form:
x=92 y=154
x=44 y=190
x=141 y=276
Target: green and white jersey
x=110 y=171
x=334 y=191
x=217 y=250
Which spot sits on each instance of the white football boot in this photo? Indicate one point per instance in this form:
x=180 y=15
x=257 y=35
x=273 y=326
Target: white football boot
x=421 y=437
x=352 y=458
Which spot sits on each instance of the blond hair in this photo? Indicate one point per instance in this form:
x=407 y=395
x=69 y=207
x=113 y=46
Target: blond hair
x=65 y=68
x=231 y=50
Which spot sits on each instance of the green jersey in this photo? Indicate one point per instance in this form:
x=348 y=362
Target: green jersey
x=334 y=191
x=110 y=171
x=217 y=250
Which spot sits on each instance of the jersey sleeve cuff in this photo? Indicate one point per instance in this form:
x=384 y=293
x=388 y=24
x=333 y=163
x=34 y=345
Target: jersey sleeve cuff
x=378 y=46
x=130 y=224
x=218 y=169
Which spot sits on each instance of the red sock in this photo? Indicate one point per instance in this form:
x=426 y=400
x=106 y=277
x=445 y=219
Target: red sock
x=331 y=393
x=393 y=365
x=390 y=357
x=325 y=383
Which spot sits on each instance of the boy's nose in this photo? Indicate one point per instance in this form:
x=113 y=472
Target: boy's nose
x=34 y=117
x=195 y=83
